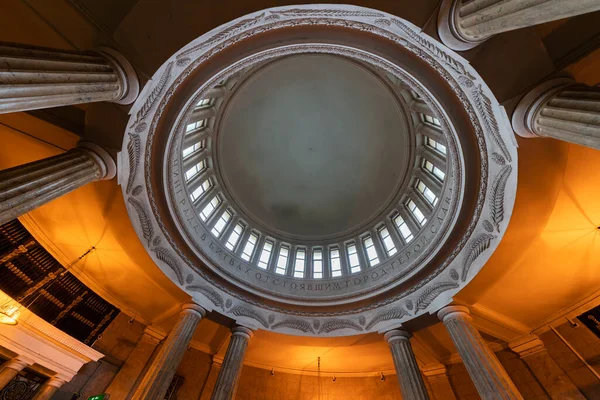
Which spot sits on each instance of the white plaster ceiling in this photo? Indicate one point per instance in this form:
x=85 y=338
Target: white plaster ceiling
x=313 y=146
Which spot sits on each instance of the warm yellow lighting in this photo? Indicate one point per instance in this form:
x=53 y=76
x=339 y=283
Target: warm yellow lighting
x=9 y=314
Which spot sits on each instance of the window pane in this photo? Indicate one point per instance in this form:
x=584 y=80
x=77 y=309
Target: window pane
x=371 y=252
x=210 y=208
x=336 y=267
x=300 y=263
x=388 y=243
x=282 y=260
x=221 y=223
x=265 y=256
x=249 y=248
x=353 y=259
x=412 y=207
x=403 y=229
x=318 y=264
x=234 y=237
x=200 y=190
x=196 y=169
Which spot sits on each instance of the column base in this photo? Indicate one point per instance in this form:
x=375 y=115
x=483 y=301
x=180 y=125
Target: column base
x=448 y=27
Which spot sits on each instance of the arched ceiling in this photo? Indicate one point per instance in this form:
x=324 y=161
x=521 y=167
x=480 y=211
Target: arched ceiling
x=549 y=255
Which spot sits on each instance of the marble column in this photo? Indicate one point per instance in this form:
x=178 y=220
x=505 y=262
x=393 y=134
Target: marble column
x=124 y=381
x=29 y=186
x=37 y=77
x=10 y=369
x=156 y=381
x=488 y=375
x=463 y=25
x=437 y=377
x=231 y=369
x=407 y=369
x=49 y=388
x=550 y=375
x=561 y=109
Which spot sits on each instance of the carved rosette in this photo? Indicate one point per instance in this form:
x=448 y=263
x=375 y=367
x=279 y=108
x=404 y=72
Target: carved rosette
x=146 y=198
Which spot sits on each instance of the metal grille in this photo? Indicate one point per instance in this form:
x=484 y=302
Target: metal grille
x=30 y=275
x=22 y=387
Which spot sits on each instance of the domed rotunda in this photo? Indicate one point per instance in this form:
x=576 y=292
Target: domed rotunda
x=299 y=202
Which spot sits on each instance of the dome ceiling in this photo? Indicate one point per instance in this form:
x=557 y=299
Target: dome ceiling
x=313 y=146
x=313 y=180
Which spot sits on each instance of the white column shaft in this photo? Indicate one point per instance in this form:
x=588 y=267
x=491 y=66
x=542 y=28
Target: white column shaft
x=560 y=109
x=36 y=77
x=29 y=186
x=156 y=381
x=409 y=376
x=229 y=374
x=488 y=375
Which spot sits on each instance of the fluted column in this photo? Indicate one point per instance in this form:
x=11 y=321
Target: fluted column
x=407 y=370
x=229 y=374
x=47 y=391
x=156 y=381
x=29 y=186
x=10 y=369
x=561 y=109
x=463 y=25
x=34 y=77
x=488 y=375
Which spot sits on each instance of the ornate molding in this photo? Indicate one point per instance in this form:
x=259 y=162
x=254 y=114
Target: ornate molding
x=495 y=197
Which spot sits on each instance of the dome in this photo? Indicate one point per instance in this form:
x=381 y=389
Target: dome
x=319 y=170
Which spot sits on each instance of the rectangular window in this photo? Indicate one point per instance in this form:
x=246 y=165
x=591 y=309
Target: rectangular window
x=195 y=125
x=282 y=260
x=265 y=255
x=249 y=247
x=234 y=237
x=195 y=170
x=200 y=190
x=336 y=266
x=427 y=193
x=438 y=173
x=388 y=243
x=193 y=148
x=353 y=258
x=431 y=120
x=436 y=146
x=412 y=207
x=204 y=102
x=210 y=208
x=300 y=263
x=318 y=264
x=370 y=250
x=403 y=229
x=217 y=230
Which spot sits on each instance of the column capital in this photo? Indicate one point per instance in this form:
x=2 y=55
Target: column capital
x=449 y=28
x=242 y=331
x=55 y=381
x=193 y=308
x=527 y=345
x=449 y=313
x=523 y=118
x=127 y=75
x=18 y=363
x=101 y=157
x=396 y=334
